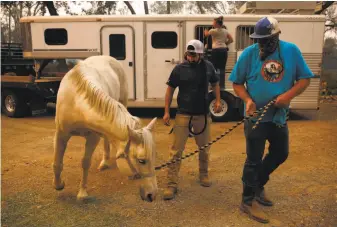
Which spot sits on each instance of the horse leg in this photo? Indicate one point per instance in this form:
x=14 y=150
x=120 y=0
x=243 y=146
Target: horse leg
x=60 y=145
x=108 y=147
x=91 y=143
x=106 y=156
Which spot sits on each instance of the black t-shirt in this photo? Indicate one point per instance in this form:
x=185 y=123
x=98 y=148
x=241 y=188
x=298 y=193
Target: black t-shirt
x=193 y=81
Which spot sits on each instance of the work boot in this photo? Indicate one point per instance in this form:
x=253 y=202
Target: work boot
x=204 y=180
x=203 y=170
x=262 y=198
x=169 y=193
x=173 y=173
x=254 y=211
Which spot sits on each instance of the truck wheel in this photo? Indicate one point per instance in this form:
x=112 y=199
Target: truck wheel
x=227 y=107
x=13 y=104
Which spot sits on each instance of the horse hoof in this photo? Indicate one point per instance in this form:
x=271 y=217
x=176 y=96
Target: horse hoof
x=59 y=187
x=103 y=167
x=86 y=199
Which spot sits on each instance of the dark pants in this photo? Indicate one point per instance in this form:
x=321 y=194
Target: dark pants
x=256 y=170
x=219 y=60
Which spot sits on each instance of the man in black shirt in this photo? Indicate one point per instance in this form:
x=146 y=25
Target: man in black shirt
x=192 y=77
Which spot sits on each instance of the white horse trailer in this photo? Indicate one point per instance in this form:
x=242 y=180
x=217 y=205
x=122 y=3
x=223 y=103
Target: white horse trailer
x=150 y=46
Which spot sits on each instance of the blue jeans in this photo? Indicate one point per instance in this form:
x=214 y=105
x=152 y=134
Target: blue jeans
x=256 y=170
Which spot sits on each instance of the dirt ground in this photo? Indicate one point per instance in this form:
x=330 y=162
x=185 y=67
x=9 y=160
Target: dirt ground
x=304 y=188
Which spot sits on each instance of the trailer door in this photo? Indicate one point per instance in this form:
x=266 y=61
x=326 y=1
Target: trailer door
x=118 y=42
x=163 y=43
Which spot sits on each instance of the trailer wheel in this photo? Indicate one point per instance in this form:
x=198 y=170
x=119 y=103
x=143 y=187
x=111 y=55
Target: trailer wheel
x=227 y=107
x=14 y=104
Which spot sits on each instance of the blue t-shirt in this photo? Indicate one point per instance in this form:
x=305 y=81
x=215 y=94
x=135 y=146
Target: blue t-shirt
x=265 y=80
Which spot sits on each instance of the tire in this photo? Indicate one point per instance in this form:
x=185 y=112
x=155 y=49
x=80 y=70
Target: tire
x=14 y=104
x=226 y=113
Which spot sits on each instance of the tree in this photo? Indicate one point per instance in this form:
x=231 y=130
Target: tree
x=167 y=7
x=323 y=6
x=51 y=8
x=196 y=7
x=214 y=7
x=331 y=20
x=200 y=7
x=12 y=11
x=101 y=8
x=146 y=8
x=330 y=48
x=330 y=43
x=128 y=4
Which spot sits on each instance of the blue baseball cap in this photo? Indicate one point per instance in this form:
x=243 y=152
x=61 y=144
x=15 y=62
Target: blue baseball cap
x=266 y=27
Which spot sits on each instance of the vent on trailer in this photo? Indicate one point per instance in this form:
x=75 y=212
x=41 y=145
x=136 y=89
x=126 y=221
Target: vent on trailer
x=242 y=36
x=199 y=34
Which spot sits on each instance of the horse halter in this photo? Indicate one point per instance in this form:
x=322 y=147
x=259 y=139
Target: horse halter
x=127 y=168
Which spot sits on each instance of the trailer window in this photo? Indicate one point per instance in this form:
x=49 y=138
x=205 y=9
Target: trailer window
x=56 y=36
x=199 y=34
x=242 y=36
x=117 y=46
x=164 y=40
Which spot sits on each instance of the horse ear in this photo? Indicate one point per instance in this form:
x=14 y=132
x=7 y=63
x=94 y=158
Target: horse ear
x=133 y=134
x=151 y=125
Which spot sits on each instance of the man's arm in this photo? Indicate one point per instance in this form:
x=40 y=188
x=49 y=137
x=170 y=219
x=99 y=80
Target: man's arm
x=168 y=98
x=172 y=83
x=168 y=101
x=214 y=81
x=299 y=87
x=303 y=75
x=240 y=90
x=216 y=91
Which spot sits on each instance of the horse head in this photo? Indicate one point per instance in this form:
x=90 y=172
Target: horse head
x=136 y=159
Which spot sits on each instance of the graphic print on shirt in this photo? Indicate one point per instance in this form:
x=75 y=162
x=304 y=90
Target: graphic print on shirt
x=272 y=71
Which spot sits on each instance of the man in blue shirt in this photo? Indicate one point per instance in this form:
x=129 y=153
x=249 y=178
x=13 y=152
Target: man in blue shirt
x=269 y=69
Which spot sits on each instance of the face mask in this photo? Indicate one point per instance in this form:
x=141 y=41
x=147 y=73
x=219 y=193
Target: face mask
x=267 y=46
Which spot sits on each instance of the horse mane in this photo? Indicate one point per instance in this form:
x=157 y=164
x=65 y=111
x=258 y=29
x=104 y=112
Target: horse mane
x=104 y=105
x=148 y=143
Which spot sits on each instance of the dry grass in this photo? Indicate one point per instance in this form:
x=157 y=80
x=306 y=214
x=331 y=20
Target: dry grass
x=304 y=188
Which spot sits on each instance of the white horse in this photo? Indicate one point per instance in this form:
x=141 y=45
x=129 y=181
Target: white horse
x=87 y=106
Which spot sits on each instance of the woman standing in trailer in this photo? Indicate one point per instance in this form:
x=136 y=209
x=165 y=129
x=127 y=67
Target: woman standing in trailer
x=220 y=41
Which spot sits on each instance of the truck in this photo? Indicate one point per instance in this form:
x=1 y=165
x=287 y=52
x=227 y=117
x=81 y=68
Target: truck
x=149 y=47
x=24 y=90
